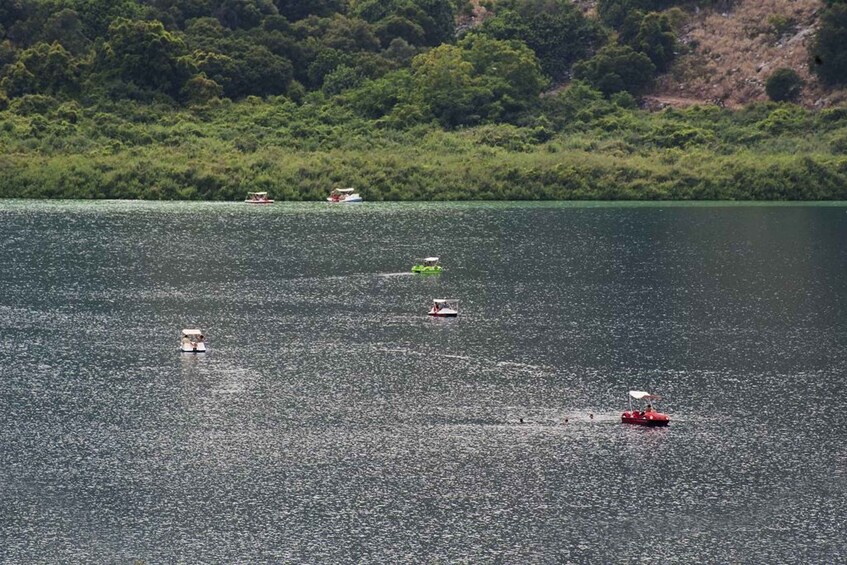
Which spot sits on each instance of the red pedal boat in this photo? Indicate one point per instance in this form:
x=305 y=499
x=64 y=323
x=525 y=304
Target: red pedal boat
x=646 y=417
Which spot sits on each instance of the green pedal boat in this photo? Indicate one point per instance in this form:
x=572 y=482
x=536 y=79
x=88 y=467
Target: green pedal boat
x=429 y=266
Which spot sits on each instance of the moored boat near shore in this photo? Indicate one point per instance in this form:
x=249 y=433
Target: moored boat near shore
x=258 y=198
x=343 y=195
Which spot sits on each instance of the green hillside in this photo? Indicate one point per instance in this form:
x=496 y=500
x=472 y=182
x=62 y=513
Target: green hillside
x=208 y=99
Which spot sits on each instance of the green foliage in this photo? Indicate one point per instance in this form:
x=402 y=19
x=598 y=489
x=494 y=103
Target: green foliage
x=586 y=147
x=828 y=58
x=556 y=30
x=656 y=39
x=377 y=98
x=616 y=69
x=418 y=22
x=207 y=99
x=615 y=12
x=340 y=79
x=67 y=28
x=783 y=119
x=146 y=55
x=97 y=16
x=201 y=90
x=784 y=85
x=479 y=80
x=42 y=68
x=245 y=14
x=32 y=104
x=298 y=9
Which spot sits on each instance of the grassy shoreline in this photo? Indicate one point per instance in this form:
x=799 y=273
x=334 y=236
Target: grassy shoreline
x=298 y=153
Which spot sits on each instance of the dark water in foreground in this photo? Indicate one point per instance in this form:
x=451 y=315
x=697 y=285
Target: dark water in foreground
x=333 y=421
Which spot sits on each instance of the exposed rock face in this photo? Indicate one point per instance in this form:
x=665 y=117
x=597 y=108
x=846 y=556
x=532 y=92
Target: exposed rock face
x=729 y=54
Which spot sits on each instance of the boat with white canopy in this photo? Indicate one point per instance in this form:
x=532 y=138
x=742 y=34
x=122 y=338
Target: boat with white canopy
x=647 y=416
x=193 y=341
x=429 y=266
x=344 y=195
x=258 y=198
x=444 y=308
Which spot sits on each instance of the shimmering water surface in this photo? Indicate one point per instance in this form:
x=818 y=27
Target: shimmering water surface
x=333 y=421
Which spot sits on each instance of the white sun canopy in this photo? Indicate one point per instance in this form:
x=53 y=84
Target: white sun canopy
x=640 y=394
x=443 y=300
x=192 y=332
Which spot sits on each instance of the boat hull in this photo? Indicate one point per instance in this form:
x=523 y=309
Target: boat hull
x=650 y=419
x=191 y=349
x=443 y=314
x=258 y=202
x=420 y=269
x=349 y=200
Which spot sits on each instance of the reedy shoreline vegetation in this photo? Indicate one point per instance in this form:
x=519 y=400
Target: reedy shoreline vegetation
x=579 y=146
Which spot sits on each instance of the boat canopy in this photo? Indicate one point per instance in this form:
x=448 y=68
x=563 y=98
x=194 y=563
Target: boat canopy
x=444 y=300
x=192 y=332
x=344 y=190
x=431 y=259
x=641 y=395
x=257 y=193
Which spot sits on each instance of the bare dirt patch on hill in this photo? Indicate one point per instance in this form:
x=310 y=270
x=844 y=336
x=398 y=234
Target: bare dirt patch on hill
x=730 y=54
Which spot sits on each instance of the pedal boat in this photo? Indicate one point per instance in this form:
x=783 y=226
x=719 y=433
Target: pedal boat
x=444 y=308
x=258 y=198
x=193 y=341
x=343 y=196
x=429 y=266
x=647 y=416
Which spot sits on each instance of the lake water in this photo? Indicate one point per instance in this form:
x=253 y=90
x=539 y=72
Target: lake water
x=333 y=421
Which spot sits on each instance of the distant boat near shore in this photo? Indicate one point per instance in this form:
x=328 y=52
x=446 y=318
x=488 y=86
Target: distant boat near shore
x=343 y=196
x=258 y=198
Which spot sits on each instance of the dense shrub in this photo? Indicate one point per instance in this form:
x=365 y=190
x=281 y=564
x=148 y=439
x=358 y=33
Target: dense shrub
x=784 y=85
x=615 y=69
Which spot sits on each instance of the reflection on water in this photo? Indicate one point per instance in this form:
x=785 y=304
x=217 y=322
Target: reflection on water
x=332 y=420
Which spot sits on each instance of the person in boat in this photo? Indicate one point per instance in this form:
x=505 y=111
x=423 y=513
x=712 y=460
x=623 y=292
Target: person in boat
x=435 y=307
x=649 y=409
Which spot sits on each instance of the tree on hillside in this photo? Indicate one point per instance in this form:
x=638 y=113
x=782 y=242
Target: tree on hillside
x=615 y=12
x=418 y=22
x=445 y=83
x=480 y=79
x=178 y=12
x=145 y=54
x=296 y=10
x=656 y=39
x=245 y=14
x=66 y=27
x=784 y=85
x=43 y=69
x=617 y=68
x=555 y=30
x=828 y=57
x=98 y=15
